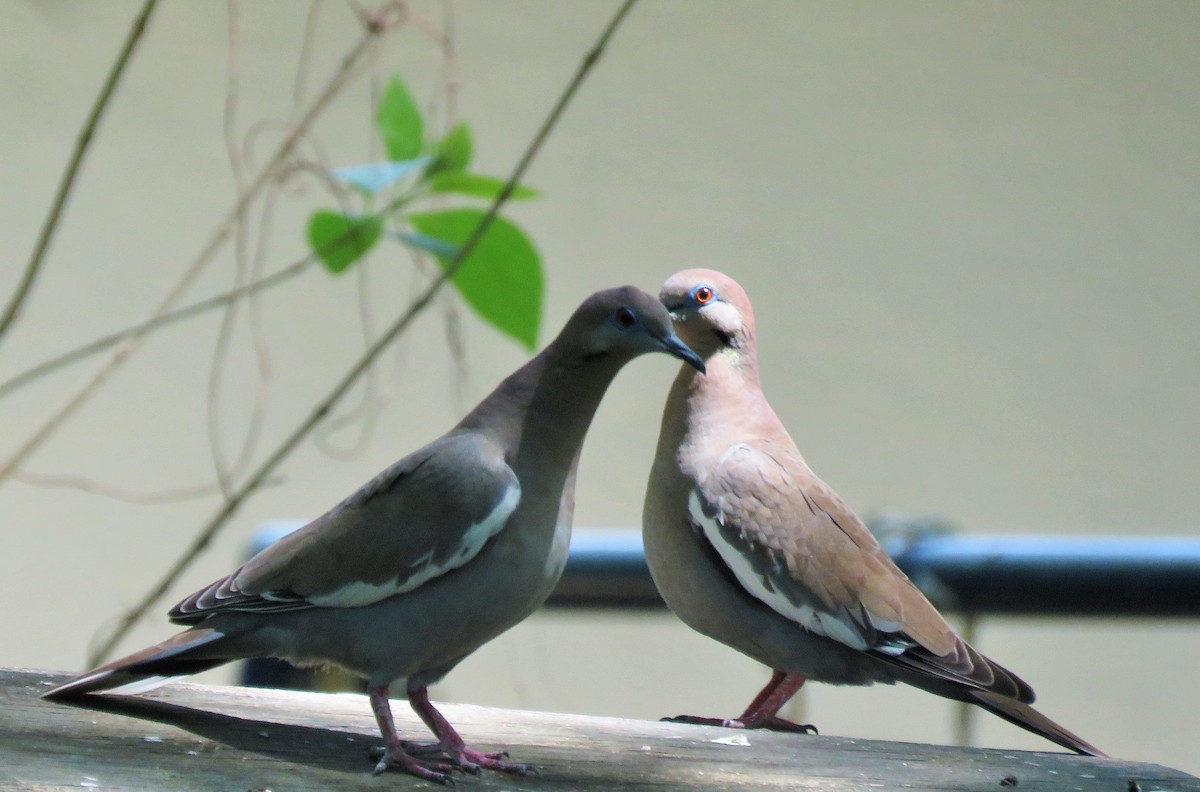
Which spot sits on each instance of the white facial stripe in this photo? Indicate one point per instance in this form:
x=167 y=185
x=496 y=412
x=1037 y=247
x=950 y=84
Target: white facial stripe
x=806 y=616
x=358 y=593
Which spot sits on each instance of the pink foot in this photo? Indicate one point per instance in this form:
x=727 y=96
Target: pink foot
x=397 y=757
x=451 y=745
x=465 y=759
x=471 y=761
x=780 y=725
x=761 y=714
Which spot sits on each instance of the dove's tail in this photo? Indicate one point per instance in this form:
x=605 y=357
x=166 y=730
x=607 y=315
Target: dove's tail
x=1030 y=719
x=189 y=652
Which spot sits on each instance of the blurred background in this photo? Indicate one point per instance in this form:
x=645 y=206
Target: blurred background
x=970 y=232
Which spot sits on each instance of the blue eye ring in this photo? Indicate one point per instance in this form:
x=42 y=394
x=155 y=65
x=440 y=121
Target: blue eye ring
x=703 y=294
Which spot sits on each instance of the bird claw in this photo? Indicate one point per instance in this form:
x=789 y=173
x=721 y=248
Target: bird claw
x=495 y=760
x=426 y=749
x=438 y=772
x=464 y=766
x=782 y=725
x=464 y=760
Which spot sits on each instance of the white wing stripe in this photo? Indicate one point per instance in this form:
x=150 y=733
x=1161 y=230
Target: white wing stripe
x=804 y=615
x=358 y=593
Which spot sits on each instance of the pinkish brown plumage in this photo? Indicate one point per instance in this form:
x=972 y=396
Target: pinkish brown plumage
x=748 y=546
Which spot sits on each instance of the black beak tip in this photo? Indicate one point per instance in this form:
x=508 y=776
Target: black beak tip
x=682 y=351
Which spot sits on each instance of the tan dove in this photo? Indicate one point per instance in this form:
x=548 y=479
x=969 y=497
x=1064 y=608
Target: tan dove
x=749 y=547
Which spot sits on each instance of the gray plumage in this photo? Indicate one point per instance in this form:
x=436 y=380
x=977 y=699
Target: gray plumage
x=748 y=546
x=437 y=555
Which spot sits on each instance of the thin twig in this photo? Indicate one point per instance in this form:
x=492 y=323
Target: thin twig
x=455 y=338
x=229 y=315
x=258 y=334
x=368 y=410
x=376 y=24
x=82 y=143
x=98 y=345
x=248 y=267
x=112 y=339
x=306 y=48
x=103 y=489
x=370 y=407
x=255 y=480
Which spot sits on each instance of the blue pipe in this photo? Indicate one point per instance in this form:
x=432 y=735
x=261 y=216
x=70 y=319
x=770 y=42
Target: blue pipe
x=992 y=575
x=986 y=575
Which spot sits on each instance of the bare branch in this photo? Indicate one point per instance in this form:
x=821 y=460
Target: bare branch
x=82 y=144
x=94 y=487
x=256 y=479
x=306 y=47
x=366 y=413
x=376 y=24
x=140 y=329
x=247 y=267
x=229 y=315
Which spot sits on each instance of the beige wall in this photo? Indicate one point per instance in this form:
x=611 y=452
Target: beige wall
x=970 y=230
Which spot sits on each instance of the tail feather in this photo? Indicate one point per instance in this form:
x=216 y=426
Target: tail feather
x=189 y=652
x=1028 y=718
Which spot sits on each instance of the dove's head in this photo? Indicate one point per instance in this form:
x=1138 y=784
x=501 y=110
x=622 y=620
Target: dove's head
x=620 y=324
x=711 y=311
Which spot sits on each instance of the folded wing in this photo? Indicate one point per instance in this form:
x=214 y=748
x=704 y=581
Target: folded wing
x=423 y=517
x=795 y=545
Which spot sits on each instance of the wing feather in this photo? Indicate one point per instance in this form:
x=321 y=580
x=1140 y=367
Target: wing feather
x=796 y=546
x=426 y=515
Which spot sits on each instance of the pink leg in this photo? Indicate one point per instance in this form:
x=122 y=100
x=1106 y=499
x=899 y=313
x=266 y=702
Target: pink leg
x=467 y=759
x=768 y=689
x=762 y=713
x=393 y=754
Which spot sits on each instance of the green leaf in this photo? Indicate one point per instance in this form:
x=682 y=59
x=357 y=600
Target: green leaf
x=339 y=240
x=455 y=150
x=501 y=278
x=399 y=122
x=477 y=185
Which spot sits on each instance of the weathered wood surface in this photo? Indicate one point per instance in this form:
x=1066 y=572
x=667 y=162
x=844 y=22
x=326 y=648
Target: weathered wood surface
x=194 y=737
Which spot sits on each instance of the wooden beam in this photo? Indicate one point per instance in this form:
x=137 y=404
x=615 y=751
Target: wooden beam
x=196 y=737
